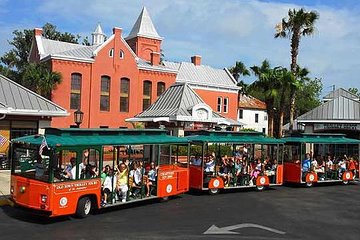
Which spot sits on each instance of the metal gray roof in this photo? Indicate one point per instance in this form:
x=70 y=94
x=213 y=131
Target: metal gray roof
x=341 y=108
x=176 y=100
x=340 y=92
x=144 y=27
x=18 y=100
x=142 y=64
x=58 y=48
x=202 y=75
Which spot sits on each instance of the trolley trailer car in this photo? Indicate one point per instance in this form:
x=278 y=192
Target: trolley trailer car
x=316 y=158
x=227 y=160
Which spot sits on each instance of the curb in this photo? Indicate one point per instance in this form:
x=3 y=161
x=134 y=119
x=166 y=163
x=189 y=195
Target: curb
x=5 y=201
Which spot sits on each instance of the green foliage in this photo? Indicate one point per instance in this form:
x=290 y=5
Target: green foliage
x=354 y=91
x=37 y=77
x=308 y=97
x=40 y=79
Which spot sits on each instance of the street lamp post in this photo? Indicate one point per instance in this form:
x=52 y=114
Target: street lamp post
x=78 y=117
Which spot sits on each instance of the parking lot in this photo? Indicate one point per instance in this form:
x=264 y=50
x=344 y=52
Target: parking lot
x=321 y=212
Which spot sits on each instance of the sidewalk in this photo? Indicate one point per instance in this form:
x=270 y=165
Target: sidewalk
x=4 y=182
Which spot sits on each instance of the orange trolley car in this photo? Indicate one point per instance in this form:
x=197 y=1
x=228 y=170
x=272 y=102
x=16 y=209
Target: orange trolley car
x=64 y=171
x=316 y=158
x=225 y=160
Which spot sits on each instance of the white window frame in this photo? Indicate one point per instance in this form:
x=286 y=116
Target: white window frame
x=219 y=105
x=256 y=114
x=121 y=54
x=111 y=52
x=226 y=105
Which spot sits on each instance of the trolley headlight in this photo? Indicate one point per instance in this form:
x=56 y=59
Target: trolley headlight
x=43 y=198
x=12 y=190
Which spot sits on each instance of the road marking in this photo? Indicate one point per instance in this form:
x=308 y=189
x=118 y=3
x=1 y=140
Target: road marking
x=228 y=230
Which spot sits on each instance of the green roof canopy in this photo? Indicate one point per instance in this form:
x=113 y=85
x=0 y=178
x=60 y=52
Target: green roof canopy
x=231 y=137
x=321 y=138
x=86 y=137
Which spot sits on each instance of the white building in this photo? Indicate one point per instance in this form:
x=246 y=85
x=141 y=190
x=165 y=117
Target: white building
x=252 y=113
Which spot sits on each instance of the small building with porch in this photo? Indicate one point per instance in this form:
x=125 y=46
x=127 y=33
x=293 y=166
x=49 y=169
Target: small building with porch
x=23 y=112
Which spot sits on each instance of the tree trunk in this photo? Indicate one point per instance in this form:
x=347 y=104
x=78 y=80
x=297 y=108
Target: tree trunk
x=292 y=111
x=295 y=40
x=270 y=111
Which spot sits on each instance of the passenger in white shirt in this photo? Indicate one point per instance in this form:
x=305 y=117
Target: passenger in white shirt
x=109 y=186
x=197 y=161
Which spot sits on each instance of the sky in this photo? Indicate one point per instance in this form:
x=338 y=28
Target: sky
x=221 y=31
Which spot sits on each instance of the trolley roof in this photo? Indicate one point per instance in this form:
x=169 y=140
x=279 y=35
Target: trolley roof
x=320 y=138
x=80 y=137
x=247 y=137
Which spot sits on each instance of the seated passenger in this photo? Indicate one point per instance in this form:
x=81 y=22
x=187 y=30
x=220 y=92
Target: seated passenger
x=39 y=167
x=342 y=166
x=109 y=186
x=306 y=164
x=136 y=174
x=196 y=161
x=122 y=182
x=352 y=166
x=209 y=165
x=257 y=170
x=151 y=178
x=224 y=172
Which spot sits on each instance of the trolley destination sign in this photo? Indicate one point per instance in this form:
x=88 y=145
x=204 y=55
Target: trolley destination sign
x=347 y=126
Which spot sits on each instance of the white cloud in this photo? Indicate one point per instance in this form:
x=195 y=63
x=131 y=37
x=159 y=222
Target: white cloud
x=222 y=31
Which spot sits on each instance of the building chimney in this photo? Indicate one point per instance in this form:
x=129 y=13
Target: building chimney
x=196 y=60
x=117 y=31
x=38 y=32
x=155 y=58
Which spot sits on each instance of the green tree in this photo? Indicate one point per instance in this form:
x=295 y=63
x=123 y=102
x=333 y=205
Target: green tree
x=267 y=85
x=39 y=78
x=14 y=63
x=308 y=97
x=299 y=23
x=237 y=71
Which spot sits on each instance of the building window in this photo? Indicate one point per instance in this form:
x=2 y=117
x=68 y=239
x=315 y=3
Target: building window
x=256 y=117
x=265 y=117
x=263 y=130
x=226 y=105
x=219 y=104
x=75 y=95
x=241 y=114
x=160 y=88
x=147 y=88
x=121 y=55
x=124 y=94
x=105 y=94
x=111 y=52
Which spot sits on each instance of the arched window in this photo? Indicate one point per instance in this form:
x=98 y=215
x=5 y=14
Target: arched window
x=160 y=88
x=124 y=94
x=75 y=95
x=121 y=55
x=105 y=93
x=147 y=89
x=111 y=52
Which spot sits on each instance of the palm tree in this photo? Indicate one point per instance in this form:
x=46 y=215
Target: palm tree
x=240 y=70
x=268 y=84
x=38 y=78
x=299 y=23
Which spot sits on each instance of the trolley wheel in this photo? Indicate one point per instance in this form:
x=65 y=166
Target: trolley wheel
x=214 y=191
x=309 y=184
x=345 y=182
x=260 y=187
x=83 y=207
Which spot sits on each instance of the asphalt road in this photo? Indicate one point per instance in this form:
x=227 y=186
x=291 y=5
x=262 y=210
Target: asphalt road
x=322 y=212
